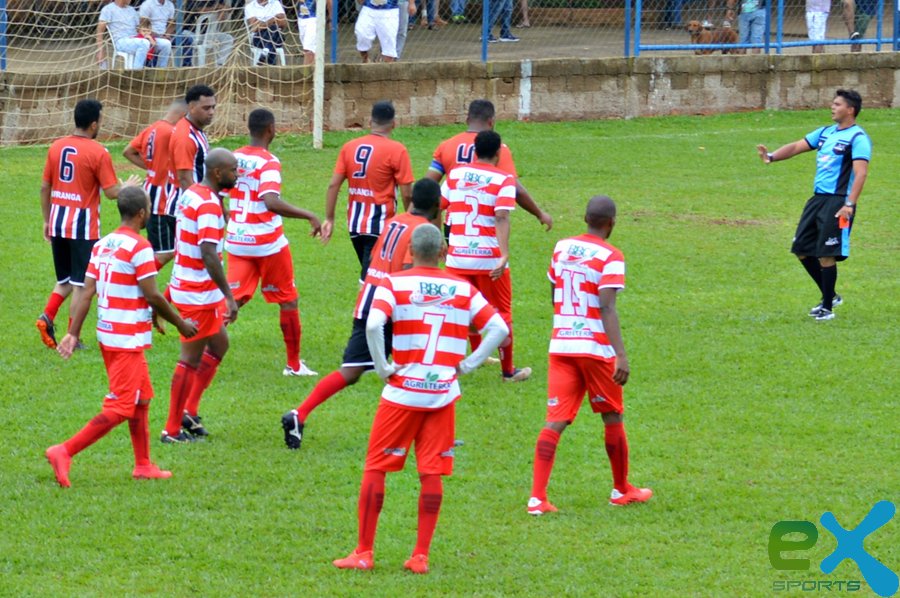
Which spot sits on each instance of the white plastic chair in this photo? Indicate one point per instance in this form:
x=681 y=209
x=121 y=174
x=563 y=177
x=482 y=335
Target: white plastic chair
x=127 y=58
x=202 y=43
x=257 y=53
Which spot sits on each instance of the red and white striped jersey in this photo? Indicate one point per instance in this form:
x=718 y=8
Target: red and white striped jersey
x=200 y=220
x=373 y=165
x=253 y=230
x=390 y=254
x=118 y=261
x=580 y=267
x=475 y=193
x=153 y=146
x=431 y=313
x=77 y=168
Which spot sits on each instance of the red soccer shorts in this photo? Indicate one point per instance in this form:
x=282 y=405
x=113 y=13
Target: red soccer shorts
x=496 y=292
x=208 y=319
x=394 y=430
x=570 y=377
x=129 y=381
x=276 y=272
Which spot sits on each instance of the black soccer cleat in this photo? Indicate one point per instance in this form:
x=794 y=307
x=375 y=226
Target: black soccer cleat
x=814 y=312
x=45 y=327
x=182 y=438
x=293 y=429
x=193 y=425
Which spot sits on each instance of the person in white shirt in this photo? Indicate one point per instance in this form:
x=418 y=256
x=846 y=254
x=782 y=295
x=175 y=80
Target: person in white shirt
x=159 y=17
x=265 y=19
x=122 y=21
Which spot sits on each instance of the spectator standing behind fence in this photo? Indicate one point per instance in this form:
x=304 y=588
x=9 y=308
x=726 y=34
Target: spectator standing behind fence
x=711 y=7
x=857 y=14
x=501 y=10
x=752 y=22
x=266 y=19
x=407 y=9
x=430 y=10
x=122 y=21
x=222 y=43
x=817 y=22
x=159 y=17
x=306 y=24
x=457 y=11
x=378 y=19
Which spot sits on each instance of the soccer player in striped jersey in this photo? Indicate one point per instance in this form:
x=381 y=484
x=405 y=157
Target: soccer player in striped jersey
x=255 y=242
x=431 y=311
x=460 y=149
x=77 y=168
x=189 y=146
x=587 y=354
x=480 y=197
x=373 y=166
x=122 y=275
x=200 y=291
x=150 y=151
x=390 y=254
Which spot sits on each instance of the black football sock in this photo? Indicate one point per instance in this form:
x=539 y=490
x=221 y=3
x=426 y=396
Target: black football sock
x=815 y=271
x=829 y=280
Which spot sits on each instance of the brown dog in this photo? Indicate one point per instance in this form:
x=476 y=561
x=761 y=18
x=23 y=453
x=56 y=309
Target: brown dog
x=725 y=35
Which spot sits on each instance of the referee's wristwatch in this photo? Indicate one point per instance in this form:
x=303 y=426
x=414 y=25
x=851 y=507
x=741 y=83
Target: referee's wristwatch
x=849 y=204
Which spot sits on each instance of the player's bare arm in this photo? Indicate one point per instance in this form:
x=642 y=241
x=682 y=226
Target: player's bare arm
x=113 y=191
x=614 y=332
x=217 y=274
x=406 y=195
x=493 y=333
x=81 y=303
x=185 y=178
x=276 y=205
x=45 y=209
x=331 y=196
x=434 y=175
x=782 y=153
x=860 y=172
x=134 y=156
x=162 y=308
x=524 y=199
x=501 y=225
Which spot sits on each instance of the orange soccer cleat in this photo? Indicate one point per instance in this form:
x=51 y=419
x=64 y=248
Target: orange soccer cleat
x=417 y=563
x=631 y=495
x=45 y=328
x=150 y=472
x=60 y=461
x=356 y=560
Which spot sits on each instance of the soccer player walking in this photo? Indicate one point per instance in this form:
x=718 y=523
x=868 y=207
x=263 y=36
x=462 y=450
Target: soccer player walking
x=587 y=354
x=255 y=242
x=189 y=145
x=77 y=168
x=843 y=151
x=200 y=291
x=480 y=197
x=431 y=311
x=122 y=275
x=150 y=151
x=373 y=166
x=390 y=254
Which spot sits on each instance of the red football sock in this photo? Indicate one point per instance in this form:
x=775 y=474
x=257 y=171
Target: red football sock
x=182 y=381
x=474 y=340
x=139 y=426
x=95 y=429
x=327 y=387
x=205 y=374
x=506 y=354
x=430 y=497
x=371 y=498
x=291 y=330
x=53 y=305
x=544 y=455
x=617 y=450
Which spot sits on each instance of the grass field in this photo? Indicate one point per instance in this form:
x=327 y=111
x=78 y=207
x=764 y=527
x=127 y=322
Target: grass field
x=741 y=410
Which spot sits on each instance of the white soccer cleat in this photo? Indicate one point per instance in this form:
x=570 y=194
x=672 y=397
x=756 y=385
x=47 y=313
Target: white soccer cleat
x=303 y=371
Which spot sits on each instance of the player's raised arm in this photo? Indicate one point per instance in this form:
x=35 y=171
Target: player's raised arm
x=784 y=152
x=81 y=303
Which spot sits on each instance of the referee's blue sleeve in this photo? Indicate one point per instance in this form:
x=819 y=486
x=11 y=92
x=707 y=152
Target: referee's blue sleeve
x=812 y=140
x=862 y=148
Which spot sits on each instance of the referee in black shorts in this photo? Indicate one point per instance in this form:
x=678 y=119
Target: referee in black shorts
x=843 y=151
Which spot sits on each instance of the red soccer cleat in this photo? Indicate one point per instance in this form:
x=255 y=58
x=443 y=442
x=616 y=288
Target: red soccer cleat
x=356 y=560
x=45 y=328
x=537 y=506
x=631 y=495
x=417 y=563
x=60 y=461
x=150 y=472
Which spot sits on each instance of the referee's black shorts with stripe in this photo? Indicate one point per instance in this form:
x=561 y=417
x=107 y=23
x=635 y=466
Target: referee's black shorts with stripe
x=356 y=354
x=819 y=233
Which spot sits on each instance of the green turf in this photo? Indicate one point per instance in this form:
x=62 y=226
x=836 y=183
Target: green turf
x=742 y=411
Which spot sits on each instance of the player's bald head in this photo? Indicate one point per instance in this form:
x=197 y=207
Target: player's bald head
x=131 y=200
x=427 y=244
x=220 y=158
x=600 y=212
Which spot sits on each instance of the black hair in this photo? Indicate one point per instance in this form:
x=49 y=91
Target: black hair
x=87 y=112
x=382 y=113
x=196 y=92
x=259 y=120
x=131 y=200
x=481 y=110
x=487 y=144
x=426 y=195
x=853 y=99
